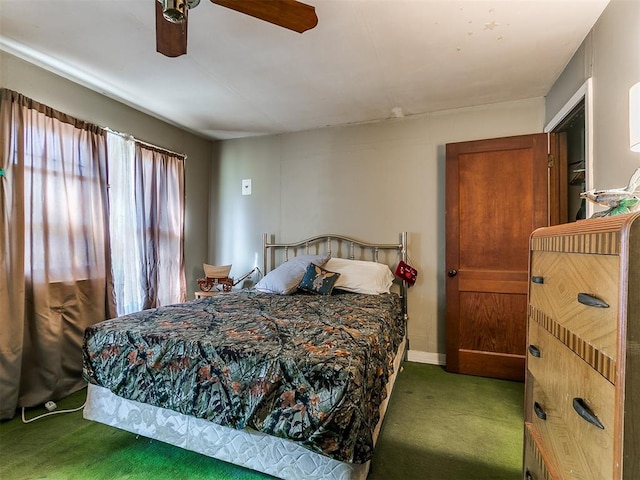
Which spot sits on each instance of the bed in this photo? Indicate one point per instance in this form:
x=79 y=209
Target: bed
x=291 y=377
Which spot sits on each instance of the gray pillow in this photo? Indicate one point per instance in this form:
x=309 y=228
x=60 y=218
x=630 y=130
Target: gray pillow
x=284 y=280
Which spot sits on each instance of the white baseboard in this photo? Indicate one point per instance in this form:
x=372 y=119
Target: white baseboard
x=427 y=357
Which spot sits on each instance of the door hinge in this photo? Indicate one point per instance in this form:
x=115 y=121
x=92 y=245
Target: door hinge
x=551 y=161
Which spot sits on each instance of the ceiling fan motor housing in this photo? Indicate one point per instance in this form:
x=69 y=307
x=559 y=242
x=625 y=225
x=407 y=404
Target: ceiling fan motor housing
x=175 y=11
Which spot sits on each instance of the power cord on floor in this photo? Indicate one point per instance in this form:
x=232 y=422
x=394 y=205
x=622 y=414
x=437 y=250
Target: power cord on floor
x=51 y=406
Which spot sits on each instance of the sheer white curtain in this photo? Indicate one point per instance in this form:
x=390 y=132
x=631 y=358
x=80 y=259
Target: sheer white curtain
x=146 y=194
x=126 y=241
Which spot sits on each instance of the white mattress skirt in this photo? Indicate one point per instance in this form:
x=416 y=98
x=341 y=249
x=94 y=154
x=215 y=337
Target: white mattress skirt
x=275 y=456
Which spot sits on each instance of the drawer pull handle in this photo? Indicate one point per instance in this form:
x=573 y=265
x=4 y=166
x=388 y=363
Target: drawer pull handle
x=528 y=475
x=534 y=351
x=591 y=301
x=540 y=413
x=585 y=412
x=537 y=279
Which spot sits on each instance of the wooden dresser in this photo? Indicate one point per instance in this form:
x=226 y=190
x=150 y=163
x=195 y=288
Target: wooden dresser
x=582 y=400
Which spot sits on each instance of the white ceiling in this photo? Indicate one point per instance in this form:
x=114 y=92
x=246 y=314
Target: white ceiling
x=366 y=60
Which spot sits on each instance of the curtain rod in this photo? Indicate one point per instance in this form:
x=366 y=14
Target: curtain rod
x=126 y=135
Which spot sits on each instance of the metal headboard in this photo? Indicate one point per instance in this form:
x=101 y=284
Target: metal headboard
x=306 y=246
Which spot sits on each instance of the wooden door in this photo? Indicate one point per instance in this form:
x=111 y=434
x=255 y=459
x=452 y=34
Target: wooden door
x=496 y=195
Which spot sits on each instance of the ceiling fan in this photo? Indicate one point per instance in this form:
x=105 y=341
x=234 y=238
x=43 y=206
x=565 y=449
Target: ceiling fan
x=171 y=19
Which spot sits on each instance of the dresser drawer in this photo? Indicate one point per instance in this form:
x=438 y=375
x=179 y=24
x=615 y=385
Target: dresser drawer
x=563 y=278
x=537 y=464
x=560 y=378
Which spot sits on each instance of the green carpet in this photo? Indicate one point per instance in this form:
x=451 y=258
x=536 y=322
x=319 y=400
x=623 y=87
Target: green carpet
x=442 y=426
x=438 y=426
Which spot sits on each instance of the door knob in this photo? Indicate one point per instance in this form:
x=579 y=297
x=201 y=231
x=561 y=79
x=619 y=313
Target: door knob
x=453 y=272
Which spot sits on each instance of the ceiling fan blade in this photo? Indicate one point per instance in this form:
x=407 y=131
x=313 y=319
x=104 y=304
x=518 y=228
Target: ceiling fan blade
x=290 y=14
x=171 y=38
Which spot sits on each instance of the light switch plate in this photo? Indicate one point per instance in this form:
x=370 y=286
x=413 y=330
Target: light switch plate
x=246 y=186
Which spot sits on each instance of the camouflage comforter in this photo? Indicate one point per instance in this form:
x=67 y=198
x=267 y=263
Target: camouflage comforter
x=309 y=368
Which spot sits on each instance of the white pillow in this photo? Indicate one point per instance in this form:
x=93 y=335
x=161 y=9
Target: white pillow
x=361 y=277
x=284 y=280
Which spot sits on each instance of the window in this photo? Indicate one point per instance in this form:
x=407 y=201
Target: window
x=63 y=211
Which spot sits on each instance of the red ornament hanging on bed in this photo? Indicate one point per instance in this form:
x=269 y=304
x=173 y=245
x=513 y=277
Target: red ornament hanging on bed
x=406 y=272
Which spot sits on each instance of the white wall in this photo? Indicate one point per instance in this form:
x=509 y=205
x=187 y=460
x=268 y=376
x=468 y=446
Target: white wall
x=71 y=98
x=611 y=56
x=369 y=181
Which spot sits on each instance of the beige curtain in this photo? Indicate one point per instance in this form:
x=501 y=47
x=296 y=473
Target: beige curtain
x=55 y=274
x=159 y=189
